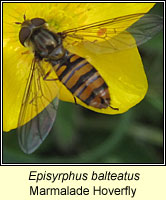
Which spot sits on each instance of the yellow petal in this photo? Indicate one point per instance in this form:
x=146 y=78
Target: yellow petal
x=125 y=77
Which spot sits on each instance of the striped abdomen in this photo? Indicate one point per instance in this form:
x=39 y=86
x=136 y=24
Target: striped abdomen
x=84 y=82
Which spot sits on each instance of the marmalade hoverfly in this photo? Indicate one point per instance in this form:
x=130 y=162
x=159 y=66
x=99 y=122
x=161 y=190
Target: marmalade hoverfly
x=75 y=72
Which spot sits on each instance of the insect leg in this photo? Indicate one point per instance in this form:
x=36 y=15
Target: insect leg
x=51 y=79
x=75 y=101
x=25 y=52
x=113 y=108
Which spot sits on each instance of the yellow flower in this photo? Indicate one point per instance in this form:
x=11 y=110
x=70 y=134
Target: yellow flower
x=123 y=71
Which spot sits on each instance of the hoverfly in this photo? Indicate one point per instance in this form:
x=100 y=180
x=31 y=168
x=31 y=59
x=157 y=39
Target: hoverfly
x=75 y=72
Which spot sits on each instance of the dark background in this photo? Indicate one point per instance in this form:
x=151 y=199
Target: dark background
x=84 y=136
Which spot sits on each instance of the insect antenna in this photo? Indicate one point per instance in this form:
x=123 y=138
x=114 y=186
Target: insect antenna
x=24 y=17
x=17 y=22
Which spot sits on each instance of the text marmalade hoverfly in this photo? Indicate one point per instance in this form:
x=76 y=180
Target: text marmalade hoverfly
x=75 y=72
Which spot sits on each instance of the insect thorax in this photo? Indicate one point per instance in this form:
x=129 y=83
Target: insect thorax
x=47 y=45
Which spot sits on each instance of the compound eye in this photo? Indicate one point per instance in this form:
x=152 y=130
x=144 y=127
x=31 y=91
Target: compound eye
x=24 y=34
x=38 y=21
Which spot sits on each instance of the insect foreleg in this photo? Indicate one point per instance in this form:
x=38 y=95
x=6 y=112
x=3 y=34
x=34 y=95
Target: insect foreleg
x=45 y=77
x=51 y=79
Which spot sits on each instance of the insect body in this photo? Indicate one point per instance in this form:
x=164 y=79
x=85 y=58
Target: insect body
x=75 y=72
x=84 y=82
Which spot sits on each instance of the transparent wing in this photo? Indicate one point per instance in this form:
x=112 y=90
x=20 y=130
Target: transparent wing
x=115 y=34
x=34 y=124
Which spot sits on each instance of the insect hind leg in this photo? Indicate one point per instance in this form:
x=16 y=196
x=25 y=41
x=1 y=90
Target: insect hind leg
x=75 y=100
x=113 y=108
x=106 y=102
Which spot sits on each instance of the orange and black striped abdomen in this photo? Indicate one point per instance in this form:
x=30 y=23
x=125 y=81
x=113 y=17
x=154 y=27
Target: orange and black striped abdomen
x=84 y=81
